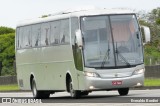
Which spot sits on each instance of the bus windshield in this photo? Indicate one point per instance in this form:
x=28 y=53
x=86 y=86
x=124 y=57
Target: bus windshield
x=111 y=41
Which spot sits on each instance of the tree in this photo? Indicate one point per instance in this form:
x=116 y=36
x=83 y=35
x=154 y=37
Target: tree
x=155 y=16
x=7 y=51
x=158 y=21
x=6 y=30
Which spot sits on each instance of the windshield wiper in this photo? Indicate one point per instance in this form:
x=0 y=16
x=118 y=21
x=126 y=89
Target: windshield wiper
x=105 y=57
x=122 y=57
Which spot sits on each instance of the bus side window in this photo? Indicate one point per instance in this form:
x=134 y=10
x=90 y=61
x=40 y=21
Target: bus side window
x=45 y=33
x=64 y=35
x=55 y=32
x=36 y=32
x=74 y=28
x=77 y=54
x=21 y=37
x=26 y=36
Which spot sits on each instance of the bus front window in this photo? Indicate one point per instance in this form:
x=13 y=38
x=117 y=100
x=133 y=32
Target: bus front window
x=111 y=41
x=127 y=40
x=97 y=41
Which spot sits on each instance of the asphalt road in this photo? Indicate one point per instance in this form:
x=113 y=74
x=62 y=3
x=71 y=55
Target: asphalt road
x=149 y=97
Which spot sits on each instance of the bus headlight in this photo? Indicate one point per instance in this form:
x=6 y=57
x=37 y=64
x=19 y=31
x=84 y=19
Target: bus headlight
x=91 y=74
x=140 y=71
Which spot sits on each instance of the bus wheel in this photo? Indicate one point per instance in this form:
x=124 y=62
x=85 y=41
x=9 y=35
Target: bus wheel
x=74 y=93
x=85 y=93
x=38 y=94
x=123 y=91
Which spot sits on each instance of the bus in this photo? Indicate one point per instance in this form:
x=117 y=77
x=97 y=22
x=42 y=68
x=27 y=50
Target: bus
x=80 y=52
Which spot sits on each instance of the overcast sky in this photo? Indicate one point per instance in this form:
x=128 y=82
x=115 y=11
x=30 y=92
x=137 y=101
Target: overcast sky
x=12 y=11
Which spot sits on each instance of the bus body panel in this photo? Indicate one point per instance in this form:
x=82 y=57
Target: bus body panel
x=106 y=82
x=48 y=65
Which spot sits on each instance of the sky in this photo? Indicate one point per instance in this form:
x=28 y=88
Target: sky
x=13 y=11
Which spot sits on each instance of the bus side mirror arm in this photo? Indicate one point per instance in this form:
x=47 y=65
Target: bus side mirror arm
x=147 y=35
x=79 y=39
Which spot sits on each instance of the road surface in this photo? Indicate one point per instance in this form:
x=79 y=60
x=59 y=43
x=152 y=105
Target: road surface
x=135 y=97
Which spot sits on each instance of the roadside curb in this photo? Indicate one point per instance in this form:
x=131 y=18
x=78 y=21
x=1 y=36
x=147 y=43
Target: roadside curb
x=146 y=88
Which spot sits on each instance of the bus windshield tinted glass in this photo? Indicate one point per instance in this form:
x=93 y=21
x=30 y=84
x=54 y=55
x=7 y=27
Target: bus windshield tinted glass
x=111 y=41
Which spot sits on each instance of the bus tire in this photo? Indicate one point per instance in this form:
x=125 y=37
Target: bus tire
x=74 y=93
x=38 y=94
x=85 y=93
x=123 y=91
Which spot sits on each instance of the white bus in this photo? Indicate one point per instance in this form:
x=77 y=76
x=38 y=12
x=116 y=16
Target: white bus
x=80 y=52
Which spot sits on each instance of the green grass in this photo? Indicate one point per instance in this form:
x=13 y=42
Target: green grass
x=152 y=82
x=9 y=87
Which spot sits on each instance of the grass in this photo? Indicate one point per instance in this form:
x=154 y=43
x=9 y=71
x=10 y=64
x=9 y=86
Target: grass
x=9 y=87
x=152 y=82
x=147 y=82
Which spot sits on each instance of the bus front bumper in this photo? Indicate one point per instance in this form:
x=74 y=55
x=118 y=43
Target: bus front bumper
x=95 y=83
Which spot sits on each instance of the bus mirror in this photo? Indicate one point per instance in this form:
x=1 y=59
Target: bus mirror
x=79 y=38
x=146 y=34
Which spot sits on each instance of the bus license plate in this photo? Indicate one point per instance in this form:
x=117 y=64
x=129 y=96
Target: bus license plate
x=116 y=82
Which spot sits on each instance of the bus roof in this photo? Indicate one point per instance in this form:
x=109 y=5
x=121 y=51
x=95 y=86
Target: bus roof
x=74 y=13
